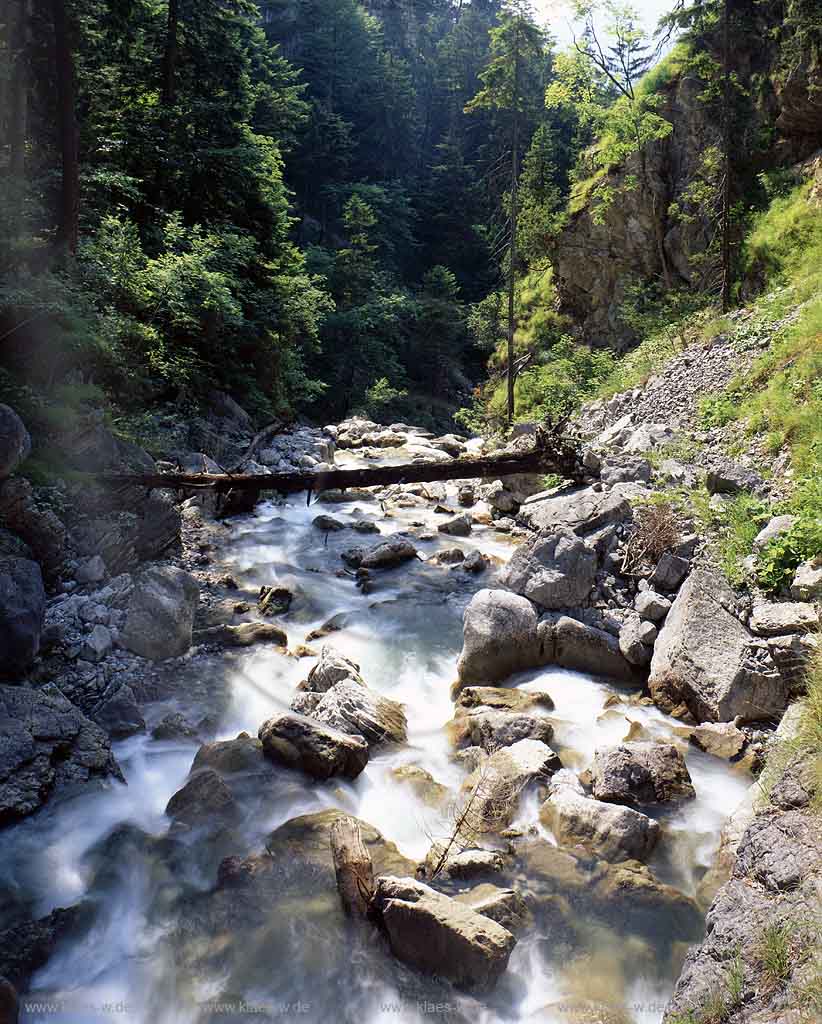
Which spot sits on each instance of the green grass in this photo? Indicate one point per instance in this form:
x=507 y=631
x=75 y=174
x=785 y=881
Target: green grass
x=776 y=954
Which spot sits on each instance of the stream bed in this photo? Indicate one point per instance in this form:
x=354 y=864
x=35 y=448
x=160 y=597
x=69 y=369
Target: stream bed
x=155 y=949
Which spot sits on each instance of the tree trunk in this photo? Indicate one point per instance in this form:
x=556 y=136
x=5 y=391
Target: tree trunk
x=551 y=454
x=18 y=90
x=170 y=53
x=70 y=189
x=726 y=154
x=512 y=252
x=352 y=867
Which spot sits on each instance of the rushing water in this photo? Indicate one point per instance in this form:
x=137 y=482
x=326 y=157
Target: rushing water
x=405 y=634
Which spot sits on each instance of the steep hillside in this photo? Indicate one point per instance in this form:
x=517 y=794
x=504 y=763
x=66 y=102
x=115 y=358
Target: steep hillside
x=619 y=235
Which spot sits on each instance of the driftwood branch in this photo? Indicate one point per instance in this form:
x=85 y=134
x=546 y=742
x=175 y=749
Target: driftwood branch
x=352 y=866
x=550 y=454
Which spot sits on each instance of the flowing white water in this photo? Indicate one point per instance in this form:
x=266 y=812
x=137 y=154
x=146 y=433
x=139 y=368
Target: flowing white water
x=405 y=635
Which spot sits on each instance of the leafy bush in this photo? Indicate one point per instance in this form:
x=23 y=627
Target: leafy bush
x=779 y=560
x=717 y=410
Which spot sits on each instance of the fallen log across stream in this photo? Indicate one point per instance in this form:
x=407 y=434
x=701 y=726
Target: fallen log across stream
x=550 y=453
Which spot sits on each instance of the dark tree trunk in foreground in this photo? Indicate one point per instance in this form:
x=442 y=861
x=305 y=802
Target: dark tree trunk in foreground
x=67 y=122
x=170 y=53
x=726 y=157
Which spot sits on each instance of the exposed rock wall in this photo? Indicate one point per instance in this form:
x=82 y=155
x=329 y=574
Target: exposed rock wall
x=603 y=250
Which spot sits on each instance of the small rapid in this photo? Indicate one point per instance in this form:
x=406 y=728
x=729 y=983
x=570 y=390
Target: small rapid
x=112 y=851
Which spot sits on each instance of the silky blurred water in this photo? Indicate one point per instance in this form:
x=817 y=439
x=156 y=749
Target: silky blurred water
x=405 y=635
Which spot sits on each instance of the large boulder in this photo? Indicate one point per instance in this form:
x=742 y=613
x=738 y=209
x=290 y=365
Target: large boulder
x=309 y=746
x=46 y=746
x=584 y=510
x=583 y=648
x=160 y=615
x=442 y=936
x=612 y=832
x=640 y=773
x=554 y=570
x=707 y=661
x=15 y=443
x=500 y=637
x=353 y=708
x=22 y=612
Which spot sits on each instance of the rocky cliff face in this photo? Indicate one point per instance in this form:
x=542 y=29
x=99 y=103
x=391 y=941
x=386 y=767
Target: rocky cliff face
x=636 y=238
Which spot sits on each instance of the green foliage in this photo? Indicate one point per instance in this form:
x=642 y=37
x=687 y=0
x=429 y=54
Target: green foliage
x=776 y=954
x=716 y=410
x=381 y=397
x=778 y=561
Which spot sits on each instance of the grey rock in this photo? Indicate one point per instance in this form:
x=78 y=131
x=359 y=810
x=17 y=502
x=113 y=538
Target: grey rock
x=22 y=613
x=679 y=473
x=705 y=658
x=355 y=709
x=459 y=526
x=807 y=582
x=365 y=526
x=438 y=935
x=196 y=462
x=91 y=570
x=11 y=544
x=670 y=571
x=640 y=773
x=160 y=615
x=119 y=714
x=47 y=746
x=772 y=618
x=475 y=562
x=610 y=831
x=466 y=496
x=722 y=739
x=775 y=528
x=328 y=523
x=387 y=555
x=309 y=746
x=228 y=757
x=648 y=436
x=651 y=606
x=244 y=634
x=499 y=779
x=174 y=726
x=205 y=799
x=584 y=648
x=625 y=470
x=489 y=729
x=554 y=570
x=584 y=510
x=499 y=637
x=39 y=527
x=636 y=640
x=731 y=479
x=505 y=906
x=97 y=644
x=15 y=443
x=331 y=668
